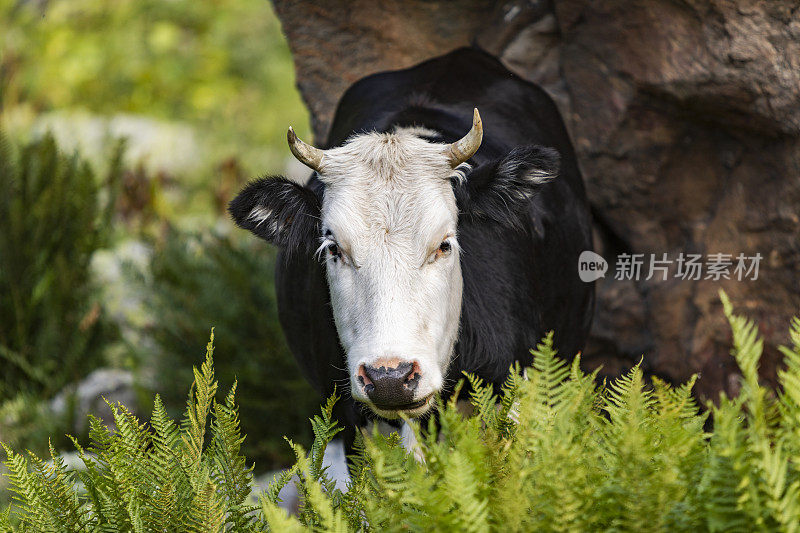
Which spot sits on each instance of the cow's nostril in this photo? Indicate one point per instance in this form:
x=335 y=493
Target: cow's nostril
x=383 y=371
x=390 y=384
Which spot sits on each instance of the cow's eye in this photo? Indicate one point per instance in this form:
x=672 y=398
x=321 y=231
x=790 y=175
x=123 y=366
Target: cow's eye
x=329 y=250
x=333 y=252
x=443 y=250
x=336 y=253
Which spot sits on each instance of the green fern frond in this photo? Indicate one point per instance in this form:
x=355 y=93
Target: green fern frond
x=789 y=398
x=627 y=400
x=747 y=346
x=747 y=350
x=722 y=481
x=675 y=401
x=194 y=423
x=510 y=396
x=279 y=481
x=471 y=511
x=325 y=429
x=551 y=451
x=207 y=513
x=551 y=372
x=5 y=520
x=483 y=399
x=317 y=508
x=23 y=485
x=277 y=519
x=231 y=472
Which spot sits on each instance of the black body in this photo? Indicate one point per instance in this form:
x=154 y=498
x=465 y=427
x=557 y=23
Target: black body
x=519 y=263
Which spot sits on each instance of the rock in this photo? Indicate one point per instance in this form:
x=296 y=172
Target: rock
x=87 y=397
x=123 y=298
x=686 y=121
x=335 y=43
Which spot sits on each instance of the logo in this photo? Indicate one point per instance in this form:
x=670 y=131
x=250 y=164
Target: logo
x=591 y=266
x=686 y=266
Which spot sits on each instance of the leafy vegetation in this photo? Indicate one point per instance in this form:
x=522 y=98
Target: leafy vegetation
x=555 y=451
x=201 y=280
x=54 y=216
x=161 y=478
x=208 y=83
x=221 y=67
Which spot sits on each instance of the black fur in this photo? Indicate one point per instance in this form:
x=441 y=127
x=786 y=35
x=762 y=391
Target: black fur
x=294 y=211
x=501 y=190
x=520 y=240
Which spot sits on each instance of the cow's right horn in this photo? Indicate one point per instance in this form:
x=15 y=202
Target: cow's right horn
x=305 y=153
x=464 y=148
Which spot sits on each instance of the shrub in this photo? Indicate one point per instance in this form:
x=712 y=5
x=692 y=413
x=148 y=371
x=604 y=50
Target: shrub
x=52 y=326
x=203 y=281
x=556 y=452
x=161 y=478
x=223 y=67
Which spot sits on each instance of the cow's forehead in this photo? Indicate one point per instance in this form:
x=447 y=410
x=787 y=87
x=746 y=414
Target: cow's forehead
x=399 y=158
x=390 y=186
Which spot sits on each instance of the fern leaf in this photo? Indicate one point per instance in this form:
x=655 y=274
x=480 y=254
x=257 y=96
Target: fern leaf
x=194 y=424
x=231 y=473
x=277 y=519
x=483 y=399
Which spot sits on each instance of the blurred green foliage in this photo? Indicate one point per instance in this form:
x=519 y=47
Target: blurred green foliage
x=52 y=327
x=28 y=423
x=205 y=89
x=222 y=66
x=199 y=281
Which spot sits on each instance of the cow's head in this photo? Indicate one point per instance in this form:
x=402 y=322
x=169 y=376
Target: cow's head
x=387 y=231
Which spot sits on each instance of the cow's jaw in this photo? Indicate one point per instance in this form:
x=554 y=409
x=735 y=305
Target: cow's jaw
x=396 y=295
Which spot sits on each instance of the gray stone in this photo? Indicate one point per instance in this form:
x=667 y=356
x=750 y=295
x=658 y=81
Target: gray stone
x=87 y=397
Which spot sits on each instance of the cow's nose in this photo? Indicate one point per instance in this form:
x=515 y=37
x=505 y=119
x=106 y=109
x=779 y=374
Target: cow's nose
x=390 y=384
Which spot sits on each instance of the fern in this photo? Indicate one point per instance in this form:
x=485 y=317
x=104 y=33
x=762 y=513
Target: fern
x=790 y=391
x=231 y=472
x=158 y=477
x=53 y=218
x=552 y=450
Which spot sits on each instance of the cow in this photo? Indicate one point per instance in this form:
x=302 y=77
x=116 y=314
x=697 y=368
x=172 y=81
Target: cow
x=439 y=233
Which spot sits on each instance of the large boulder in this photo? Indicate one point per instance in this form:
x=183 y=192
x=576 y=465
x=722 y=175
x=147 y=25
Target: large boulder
x=686 y=121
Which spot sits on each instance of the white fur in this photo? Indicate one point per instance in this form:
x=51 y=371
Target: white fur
x=419 y=131
x=259 y=214
x=410 y=442
x=389 y=205
x=262 y=215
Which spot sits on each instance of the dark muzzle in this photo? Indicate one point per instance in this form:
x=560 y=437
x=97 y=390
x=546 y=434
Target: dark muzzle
x=390 y=387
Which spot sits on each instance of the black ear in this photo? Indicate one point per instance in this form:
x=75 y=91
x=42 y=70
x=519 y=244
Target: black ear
x=279 y=211
x=501 y=189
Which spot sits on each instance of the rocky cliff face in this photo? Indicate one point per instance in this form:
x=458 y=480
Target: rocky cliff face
x=685 y=116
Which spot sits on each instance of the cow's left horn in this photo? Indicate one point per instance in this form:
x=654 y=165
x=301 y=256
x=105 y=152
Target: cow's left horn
x=464 y=148
x=305 y=153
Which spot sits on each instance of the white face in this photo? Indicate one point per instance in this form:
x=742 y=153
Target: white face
x=392 y=258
